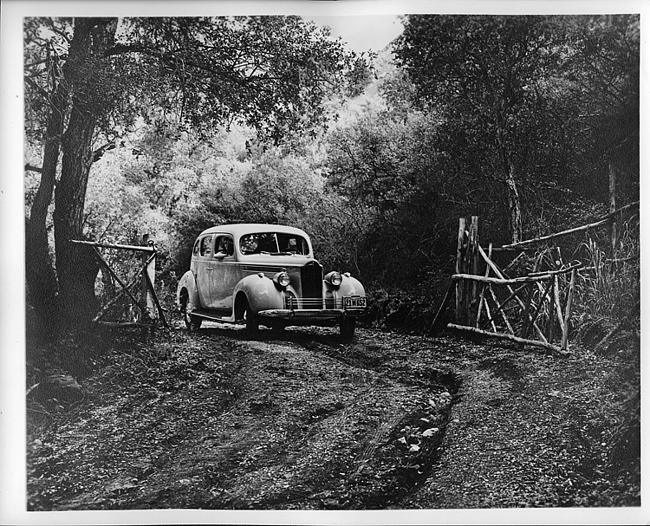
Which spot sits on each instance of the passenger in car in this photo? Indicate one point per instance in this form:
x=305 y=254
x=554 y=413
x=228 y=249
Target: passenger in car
x=206 y=249
x=226 y=246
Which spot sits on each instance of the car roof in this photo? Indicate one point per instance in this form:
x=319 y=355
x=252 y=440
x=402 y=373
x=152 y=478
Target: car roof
x=239 y=229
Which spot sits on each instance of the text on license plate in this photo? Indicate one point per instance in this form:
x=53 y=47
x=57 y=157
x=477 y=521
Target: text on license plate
x=354 y=302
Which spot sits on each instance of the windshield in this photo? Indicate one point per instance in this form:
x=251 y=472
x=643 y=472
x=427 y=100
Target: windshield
x=275 y=243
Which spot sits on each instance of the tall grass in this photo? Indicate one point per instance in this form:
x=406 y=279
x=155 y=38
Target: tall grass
x=608 y=289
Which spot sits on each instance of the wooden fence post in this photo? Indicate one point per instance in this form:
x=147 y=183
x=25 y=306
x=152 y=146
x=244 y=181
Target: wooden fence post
x=551 y=310
x=472 y=263
x=612 y=209
x=466 y=263
x=460 y=286
x=567 y=312
x=148 y=300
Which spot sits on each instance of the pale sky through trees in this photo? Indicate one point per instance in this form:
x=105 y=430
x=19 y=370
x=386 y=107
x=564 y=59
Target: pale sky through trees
x=362 y=32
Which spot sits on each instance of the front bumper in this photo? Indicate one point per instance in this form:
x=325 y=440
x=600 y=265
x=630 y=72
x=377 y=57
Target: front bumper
x=311 y=314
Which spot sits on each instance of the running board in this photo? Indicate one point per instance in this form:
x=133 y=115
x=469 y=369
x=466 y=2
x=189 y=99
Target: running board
x=212 y=316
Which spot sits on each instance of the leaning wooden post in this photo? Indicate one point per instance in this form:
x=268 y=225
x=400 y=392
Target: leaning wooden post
x=460 y=286
x=551 y=310
x=148 y=300
x=481 y=298
x=567 y=312
x=612 y=209
x=472 y=266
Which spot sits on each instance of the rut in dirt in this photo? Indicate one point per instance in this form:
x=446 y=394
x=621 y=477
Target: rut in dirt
x=296 y=421
x=398 y=448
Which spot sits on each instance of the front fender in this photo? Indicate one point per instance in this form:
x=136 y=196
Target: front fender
x=187 y=282
x=349 y=287
x=260 y=291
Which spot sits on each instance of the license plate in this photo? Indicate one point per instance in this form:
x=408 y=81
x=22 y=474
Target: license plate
x=354 y=302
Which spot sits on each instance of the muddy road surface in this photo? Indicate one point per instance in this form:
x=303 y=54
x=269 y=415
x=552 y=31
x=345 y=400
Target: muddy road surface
x=301 y=420
x=291 y=420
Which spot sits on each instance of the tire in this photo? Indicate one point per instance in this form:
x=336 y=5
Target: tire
x=251 y=319
x=192 y=323
x=347 y=327
x=278 y=327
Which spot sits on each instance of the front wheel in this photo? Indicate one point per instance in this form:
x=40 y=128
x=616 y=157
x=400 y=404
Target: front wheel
x=347 y=327
x=251 y=319
x=192 y=323
x=278 y=327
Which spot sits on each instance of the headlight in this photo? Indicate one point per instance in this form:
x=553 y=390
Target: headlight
x=282 y=279
x=334 y=278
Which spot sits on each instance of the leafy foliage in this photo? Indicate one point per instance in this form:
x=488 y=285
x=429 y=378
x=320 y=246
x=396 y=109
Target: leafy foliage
x=514 y=95
x=603 y=70
x=269 y=72
x=387 y=175
x=91 y=81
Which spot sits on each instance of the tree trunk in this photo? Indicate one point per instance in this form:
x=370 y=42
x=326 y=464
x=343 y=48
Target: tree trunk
x=514 y=205
x=39 y=273
x=77 y=265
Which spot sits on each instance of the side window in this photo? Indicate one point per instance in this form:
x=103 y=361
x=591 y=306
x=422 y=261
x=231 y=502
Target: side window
x=197 y=245
x=206 y=246
x=225 y=245
x=292 y=244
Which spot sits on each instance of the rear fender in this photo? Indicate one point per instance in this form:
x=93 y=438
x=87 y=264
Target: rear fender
x=187 y=283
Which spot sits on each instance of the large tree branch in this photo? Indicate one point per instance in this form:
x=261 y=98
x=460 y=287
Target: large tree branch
x=32 y=168
x=99 y=152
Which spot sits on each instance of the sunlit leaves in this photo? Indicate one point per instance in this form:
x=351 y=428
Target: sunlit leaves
x=269 y=72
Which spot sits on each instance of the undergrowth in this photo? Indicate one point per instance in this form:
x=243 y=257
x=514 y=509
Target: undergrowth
x=608 y=289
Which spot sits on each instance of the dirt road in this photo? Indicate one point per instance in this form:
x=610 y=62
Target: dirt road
x=300 y=420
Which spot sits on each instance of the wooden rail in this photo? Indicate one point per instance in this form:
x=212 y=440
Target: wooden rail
x=107 y=245
x=601 y=222
x=510 y=337
x=531 y=278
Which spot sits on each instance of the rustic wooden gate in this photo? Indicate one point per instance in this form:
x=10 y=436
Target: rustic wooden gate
x=148 y=306
x=524 y=309
x=532 y=309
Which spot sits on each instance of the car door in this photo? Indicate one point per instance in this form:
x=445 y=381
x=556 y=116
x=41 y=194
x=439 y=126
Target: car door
x=204 y=268
x=224 y=276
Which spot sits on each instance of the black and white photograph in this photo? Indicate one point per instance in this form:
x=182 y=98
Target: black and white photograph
x=322 y=262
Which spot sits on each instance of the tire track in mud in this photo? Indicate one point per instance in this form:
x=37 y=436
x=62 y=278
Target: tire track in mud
x=405 y=445
x=359 y=437
x=291 y=421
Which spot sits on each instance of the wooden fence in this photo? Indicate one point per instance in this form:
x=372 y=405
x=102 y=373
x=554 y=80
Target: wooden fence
x=532 y=309
x=147 y=305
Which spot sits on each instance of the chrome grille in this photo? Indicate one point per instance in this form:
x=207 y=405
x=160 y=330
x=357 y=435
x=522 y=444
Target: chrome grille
x=311 y=281
x=294 y=303
x=291 y=302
